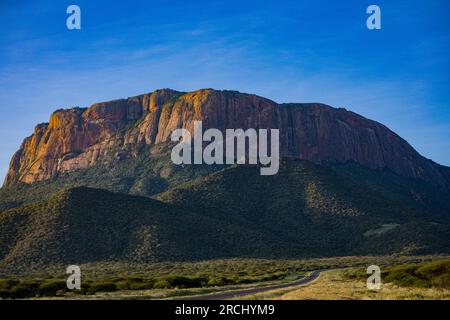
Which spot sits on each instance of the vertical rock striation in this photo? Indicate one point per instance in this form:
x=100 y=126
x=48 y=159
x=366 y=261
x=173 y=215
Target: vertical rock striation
x=77 y=138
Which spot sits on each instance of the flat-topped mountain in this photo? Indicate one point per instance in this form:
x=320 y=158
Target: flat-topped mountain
x=80 y=138
x=346 y=186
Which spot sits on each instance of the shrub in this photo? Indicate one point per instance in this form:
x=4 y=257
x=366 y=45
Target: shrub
x=432 y=274
x=34 y=285
x=8 y=284
x=102 y=287
x=161 y=284
x=244 y=280
x=141 y=285
x=434 y=269
x=184 y=282
x=442 y=281
x=180 y=282
x=5 y=294
x=219 y=281
x=50 y=288
x=20 y=291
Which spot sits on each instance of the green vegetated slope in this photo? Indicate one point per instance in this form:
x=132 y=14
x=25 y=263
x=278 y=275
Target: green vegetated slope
x=318 y=211
x=84 y=225
x=149 y=173
x=304 y=211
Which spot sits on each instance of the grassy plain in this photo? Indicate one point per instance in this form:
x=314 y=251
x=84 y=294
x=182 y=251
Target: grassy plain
x=425 y=277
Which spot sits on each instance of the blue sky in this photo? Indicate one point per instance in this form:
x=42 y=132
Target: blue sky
x=289 y=51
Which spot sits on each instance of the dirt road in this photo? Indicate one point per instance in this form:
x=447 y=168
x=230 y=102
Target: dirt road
x=230 y=295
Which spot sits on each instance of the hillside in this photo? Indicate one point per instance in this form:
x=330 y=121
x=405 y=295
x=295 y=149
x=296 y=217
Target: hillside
x=305 y=211
x=97 y=185
x=322 y=211
x=147 y=174
x=84 y=225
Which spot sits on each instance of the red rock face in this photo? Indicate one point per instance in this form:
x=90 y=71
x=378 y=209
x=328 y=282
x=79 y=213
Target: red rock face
x=75 y=139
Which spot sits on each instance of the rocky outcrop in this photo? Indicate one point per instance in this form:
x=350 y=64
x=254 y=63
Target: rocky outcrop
x=75 y=139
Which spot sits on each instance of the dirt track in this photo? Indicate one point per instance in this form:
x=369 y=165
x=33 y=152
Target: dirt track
x=235 y=294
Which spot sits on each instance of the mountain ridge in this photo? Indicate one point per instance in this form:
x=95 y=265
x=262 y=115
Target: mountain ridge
x=79 y=138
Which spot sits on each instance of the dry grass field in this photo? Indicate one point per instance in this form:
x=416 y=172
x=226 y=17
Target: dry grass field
x=333 y=285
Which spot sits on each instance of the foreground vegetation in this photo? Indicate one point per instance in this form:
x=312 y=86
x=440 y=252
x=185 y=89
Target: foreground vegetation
x=162 y=280
x=434 y=274
x=334 y=285
x=410 y=281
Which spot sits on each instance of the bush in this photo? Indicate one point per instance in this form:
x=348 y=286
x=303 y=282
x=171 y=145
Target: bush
x=20 y=291
x=141 y=286
x=102 y=287
x=219 y=281
x=8 y=284
x=184 y=282
x=426 y=275
x=50 y=288
x=33 y=285
x=442 y=281
x=161 y=284
x=180 y=282
x=275 y=276
x=122 y=285
x=244 y=280
x=5 y=294
x=434 y=269
x=407 y=280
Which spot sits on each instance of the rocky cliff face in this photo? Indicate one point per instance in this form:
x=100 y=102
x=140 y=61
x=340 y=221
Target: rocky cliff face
x=75 y=139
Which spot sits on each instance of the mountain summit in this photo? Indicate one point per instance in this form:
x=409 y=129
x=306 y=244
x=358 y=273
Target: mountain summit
x=98 y=185
x=80 y=138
